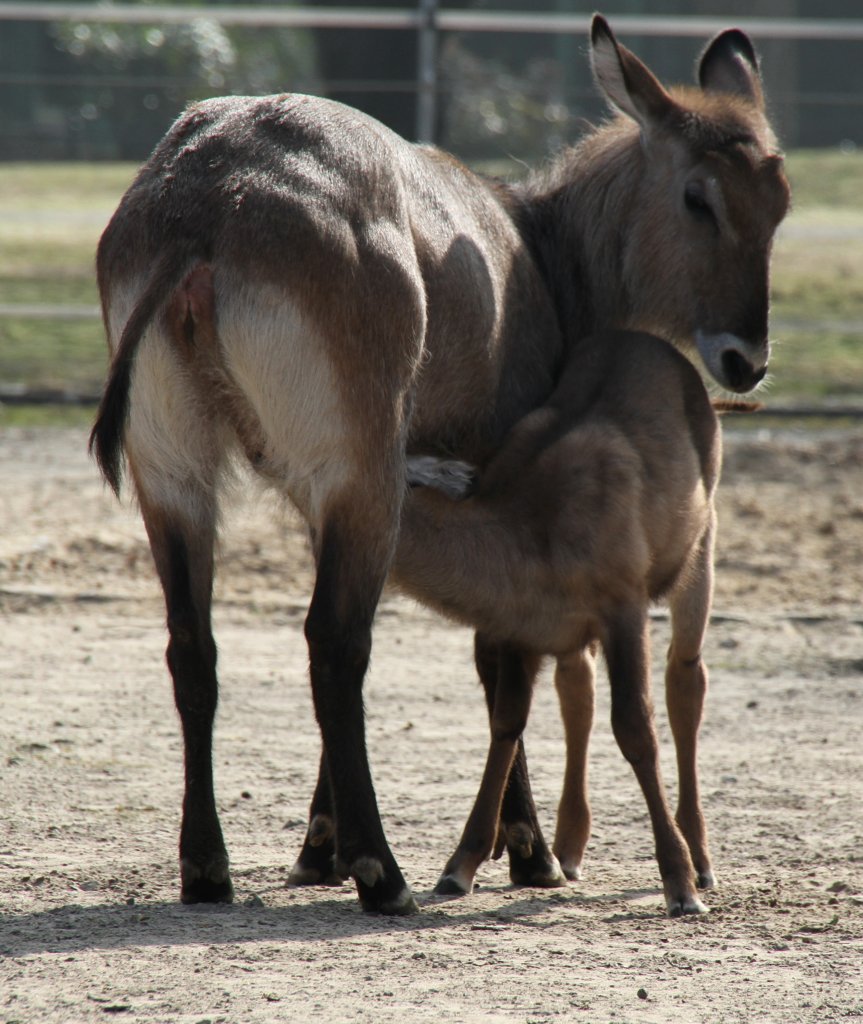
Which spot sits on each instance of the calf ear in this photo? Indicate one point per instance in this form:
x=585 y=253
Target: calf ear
x=730 y=64
x=628 y=83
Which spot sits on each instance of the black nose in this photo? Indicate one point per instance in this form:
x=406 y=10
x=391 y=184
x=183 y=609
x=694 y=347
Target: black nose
x=740 y=374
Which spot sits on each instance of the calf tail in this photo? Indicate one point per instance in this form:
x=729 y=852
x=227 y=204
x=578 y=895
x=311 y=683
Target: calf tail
x=106 y=437
x=455 y=479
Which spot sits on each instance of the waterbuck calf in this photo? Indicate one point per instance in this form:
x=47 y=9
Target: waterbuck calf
x=596 y=504
x=374 y=297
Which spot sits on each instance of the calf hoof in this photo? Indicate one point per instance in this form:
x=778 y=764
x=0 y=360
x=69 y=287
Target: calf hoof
x=681 y=906
x=379 y=893
x=706 y=879
x=572 y=869
x=453 y=884
x=208 y=883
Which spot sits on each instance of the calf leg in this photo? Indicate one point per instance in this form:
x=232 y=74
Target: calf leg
x=574 y=679
x=531 y=862
x=685 y=691
x=626 y=653
x=509 y=711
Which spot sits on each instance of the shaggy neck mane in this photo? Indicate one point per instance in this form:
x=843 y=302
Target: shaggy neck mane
x=573 y=216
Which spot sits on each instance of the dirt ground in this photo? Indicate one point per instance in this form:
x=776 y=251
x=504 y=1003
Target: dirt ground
x=90 y=763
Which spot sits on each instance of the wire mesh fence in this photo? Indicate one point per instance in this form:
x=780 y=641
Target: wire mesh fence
x=102 y=81
x=83 y=82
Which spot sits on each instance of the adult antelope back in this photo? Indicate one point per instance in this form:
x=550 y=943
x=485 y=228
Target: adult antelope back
x=289 y=281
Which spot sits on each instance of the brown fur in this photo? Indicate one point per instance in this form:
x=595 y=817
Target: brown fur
x=596 y=504
x=371 y=297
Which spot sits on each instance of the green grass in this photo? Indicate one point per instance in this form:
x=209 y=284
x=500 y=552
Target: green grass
x=827 y=178
x=45 y=416
x=51 y=216
x=818 y=280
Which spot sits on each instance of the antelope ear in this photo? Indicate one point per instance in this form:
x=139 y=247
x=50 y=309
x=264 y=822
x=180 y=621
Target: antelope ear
x=730 y=64
x=628 y=83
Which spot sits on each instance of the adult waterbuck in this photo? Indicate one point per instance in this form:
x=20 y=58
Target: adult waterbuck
x=374 y=297
x=597 y=503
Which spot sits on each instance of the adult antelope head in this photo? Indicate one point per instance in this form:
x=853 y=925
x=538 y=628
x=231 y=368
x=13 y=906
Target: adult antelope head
x=707 y=194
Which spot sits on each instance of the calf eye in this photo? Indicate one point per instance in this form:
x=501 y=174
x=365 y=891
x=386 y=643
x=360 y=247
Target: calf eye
x=697 y=204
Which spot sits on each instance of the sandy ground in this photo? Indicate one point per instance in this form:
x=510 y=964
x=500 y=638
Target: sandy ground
x=90 y=926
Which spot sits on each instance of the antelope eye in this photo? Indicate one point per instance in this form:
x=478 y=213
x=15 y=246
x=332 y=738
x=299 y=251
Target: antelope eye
x=696 y=202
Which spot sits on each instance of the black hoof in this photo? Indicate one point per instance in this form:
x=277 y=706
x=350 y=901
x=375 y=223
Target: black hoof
x=540 y=869
x=681 y=900
x=573 y=874
x=547 y=877
x=400 y=905
x=208 y=884
x=685 y=906
x=316 y=864
x=449 y=885
x=301 y=875
x=706 y=879
x=381 y=891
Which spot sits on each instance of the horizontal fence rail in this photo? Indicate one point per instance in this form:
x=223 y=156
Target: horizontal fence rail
x=269 y=16
x=18 y=395
x=428 y=19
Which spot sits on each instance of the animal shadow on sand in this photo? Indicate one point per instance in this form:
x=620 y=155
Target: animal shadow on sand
x=75 y=928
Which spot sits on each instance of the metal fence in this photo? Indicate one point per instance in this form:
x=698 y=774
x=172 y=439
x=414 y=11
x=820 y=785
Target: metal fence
x=418 y=68
x=482 y=83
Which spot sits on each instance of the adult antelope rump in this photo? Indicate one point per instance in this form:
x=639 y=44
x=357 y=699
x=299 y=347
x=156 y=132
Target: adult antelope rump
x=374 y=297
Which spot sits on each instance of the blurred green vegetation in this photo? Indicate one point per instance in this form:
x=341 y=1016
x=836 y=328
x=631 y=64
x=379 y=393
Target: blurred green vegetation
x=51 y=216
x=817 y=308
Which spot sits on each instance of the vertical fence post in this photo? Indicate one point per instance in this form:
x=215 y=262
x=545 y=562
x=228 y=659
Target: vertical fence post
x=427 y=71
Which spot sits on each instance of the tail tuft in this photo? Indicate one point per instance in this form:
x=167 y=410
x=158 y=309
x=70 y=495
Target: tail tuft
x=454 y=479
x=106 y=437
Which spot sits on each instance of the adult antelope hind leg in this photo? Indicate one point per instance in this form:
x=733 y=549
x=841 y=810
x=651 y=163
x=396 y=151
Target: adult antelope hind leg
x=352 y=554
x=316 y=862
x=176 y=449
x=626 y=653
x=182 y=547
x=685 y=692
